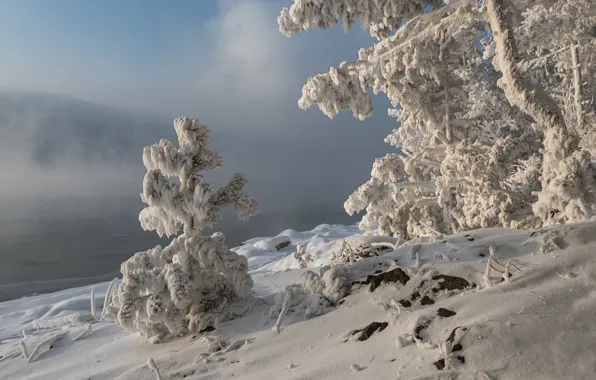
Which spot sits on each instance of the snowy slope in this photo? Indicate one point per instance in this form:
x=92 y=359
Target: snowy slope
x=539 y=325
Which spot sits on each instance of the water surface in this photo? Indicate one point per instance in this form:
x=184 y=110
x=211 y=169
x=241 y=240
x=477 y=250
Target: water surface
x=52 y=245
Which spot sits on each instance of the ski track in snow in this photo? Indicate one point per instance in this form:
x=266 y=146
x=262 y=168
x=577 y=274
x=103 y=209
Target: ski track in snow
x=539 y=325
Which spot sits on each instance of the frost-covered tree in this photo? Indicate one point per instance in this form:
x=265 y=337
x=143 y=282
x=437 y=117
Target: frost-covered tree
x=470 y=155
x=567 y=178
x=169 y=291
x=556 y=47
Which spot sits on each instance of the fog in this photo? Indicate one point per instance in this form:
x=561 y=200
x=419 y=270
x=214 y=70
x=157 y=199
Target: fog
x=60 y=147
x=80 y=98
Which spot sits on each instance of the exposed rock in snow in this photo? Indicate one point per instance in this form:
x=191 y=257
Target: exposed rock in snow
x=366 y=332
x=396 y=275
x=273 y=244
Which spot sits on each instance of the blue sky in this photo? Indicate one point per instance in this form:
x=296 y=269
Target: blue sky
x=163 y=55
x=141 y=34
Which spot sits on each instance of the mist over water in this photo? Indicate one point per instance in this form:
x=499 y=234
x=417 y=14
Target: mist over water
x=72 y=173
x=50 y=245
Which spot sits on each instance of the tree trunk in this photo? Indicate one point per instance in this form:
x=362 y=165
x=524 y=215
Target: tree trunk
x=577 y=85
x=565 y=194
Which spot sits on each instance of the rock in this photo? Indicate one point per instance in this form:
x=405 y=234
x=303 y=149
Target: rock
x=457 y=347
x=206 y=329
x=282 y=245
x=462 y=359
x=451 y=283
x=445 y=313
x=451 y=337
x=440 y=364
x=367 y=332
x=415 y=296
x=273 y=244
x=421 y=326
x=405 y=303
x=426 y=300
x=392 y=276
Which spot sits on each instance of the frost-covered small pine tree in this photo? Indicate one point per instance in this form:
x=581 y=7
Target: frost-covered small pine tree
x=194 y=273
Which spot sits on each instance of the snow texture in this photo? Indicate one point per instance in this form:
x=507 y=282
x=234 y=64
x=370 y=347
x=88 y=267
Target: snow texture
x=545 y=310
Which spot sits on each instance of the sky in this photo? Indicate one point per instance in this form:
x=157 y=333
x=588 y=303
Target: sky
x=222 y=61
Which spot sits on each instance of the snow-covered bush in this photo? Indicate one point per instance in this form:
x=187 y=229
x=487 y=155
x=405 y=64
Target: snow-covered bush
x=350 y=253
x=479 y=145
x=164 y=291
x=314 y=295
x=302 y=256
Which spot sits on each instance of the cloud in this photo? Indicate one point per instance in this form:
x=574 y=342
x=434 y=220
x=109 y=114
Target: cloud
x=250 y=60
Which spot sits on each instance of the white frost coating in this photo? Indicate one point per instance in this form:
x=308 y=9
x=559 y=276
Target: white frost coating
x=284 y=309
x=165 y=291
x=193 y=203
x=85 y=333
x=217 y=347
x=442 y=183
x=486 y=277
x=567 y=175
x=470 y=155
x=92 y=299
x=336 y=282
x=352 y=252
x=380 y=17
x=74 y=319
x=108 y=298
x=45 y=345
x=556 y=39
x=315 y=295
x=506 y=273
x=151 y=364
x=24 y=349
x=302 y=256
x=445 y=352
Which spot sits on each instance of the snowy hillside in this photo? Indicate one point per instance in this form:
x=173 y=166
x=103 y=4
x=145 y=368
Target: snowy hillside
x=439 y=315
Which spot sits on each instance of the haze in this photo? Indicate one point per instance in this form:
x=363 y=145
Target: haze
x=113 y=74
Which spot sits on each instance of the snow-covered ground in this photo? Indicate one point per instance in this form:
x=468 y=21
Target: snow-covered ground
x=539 y=323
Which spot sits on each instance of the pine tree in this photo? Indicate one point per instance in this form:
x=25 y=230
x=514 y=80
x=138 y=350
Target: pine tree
x=163 y=288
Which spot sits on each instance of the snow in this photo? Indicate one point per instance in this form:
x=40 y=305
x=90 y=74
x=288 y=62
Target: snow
x=537 y=325
x=321 y=240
